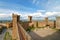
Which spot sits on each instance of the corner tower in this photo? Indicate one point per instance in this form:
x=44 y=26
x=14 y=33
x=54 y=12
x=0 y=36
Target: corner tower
x=30 y=18
x=15 y=20
x=58 y=22
x=46 y=20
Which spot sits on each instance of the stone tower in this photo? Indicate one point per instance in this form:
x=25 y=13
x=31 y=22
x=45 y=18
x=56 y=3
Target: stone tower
x=58 y=22
x=15 y=19
x=54 y=24
x=30 y=18
x=46 y=20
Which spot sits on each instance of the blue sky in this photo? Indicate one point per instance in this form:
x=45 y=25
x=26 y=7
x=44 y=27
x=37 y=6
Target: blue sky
x=35 y=8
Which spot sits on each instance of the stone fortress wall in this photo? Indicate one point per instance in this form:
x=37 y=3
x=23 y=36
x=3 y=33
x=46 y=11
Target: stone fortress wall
x=58 y=22
x=17 y=30
x=43 y=23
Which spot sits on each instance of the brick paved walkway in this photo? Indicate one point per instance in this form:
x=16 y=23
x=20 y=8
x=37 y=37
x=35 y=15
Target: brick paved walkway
x=45 y=34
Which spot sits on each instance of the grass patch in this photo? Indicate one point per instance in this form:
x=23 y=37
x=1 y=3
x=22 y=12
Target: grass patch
x=56 y=29
x=42 y=27
x=30 y=28
x=7 y=36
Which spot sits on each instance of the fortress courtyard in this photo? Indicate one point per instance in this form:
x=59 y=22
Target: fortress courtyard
x=45 y=34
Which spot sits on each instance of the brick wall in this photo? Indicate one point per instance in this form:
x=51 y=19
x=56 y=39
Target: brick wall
x=41 y=24
x=51 y=24
x=9 y=24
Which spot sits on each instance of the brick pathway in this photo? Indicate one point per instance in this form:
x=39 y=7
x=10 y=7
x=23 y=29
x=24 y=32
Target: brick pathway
x=45 y=34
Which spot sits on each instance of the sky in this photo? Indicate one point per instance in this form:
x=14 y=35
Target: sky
x=36 y=8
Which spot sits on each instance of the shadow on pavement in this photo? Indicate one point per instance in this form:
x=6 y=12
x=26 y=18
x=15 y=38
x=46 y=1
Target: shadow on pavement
x=54 y=36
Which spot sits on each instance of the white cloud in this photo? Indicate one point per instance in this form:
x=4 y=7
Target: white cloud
x=8 y=13
x=49 y=14
x=41 y=10
x=38 y=14
x=50 y=5
x=53 y=5
x=34 y=1
x=5 y=15
x=52 y=14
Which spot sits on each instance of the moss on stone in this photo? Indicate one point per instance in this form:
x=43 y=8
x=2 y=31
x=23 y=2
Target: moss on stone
x=7 y=36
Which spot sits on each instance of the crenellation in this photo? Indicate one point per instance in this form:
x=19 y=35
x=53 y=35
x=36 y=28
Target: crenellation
x=30 y=18
x=46 y=20
x=30 y=23
x=15 y=20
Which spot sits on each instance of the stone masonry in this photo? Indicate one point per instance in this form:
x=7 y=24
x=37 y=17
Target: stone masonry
x=15 y=35
x=58 y=22
x=46 y=20
x=30 y=18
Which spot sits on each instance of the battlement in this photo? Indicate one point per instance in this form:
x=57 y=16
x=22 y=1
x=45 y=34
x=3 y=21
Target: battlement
x=17 y=29
x=46 y=20
x=30 y=18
